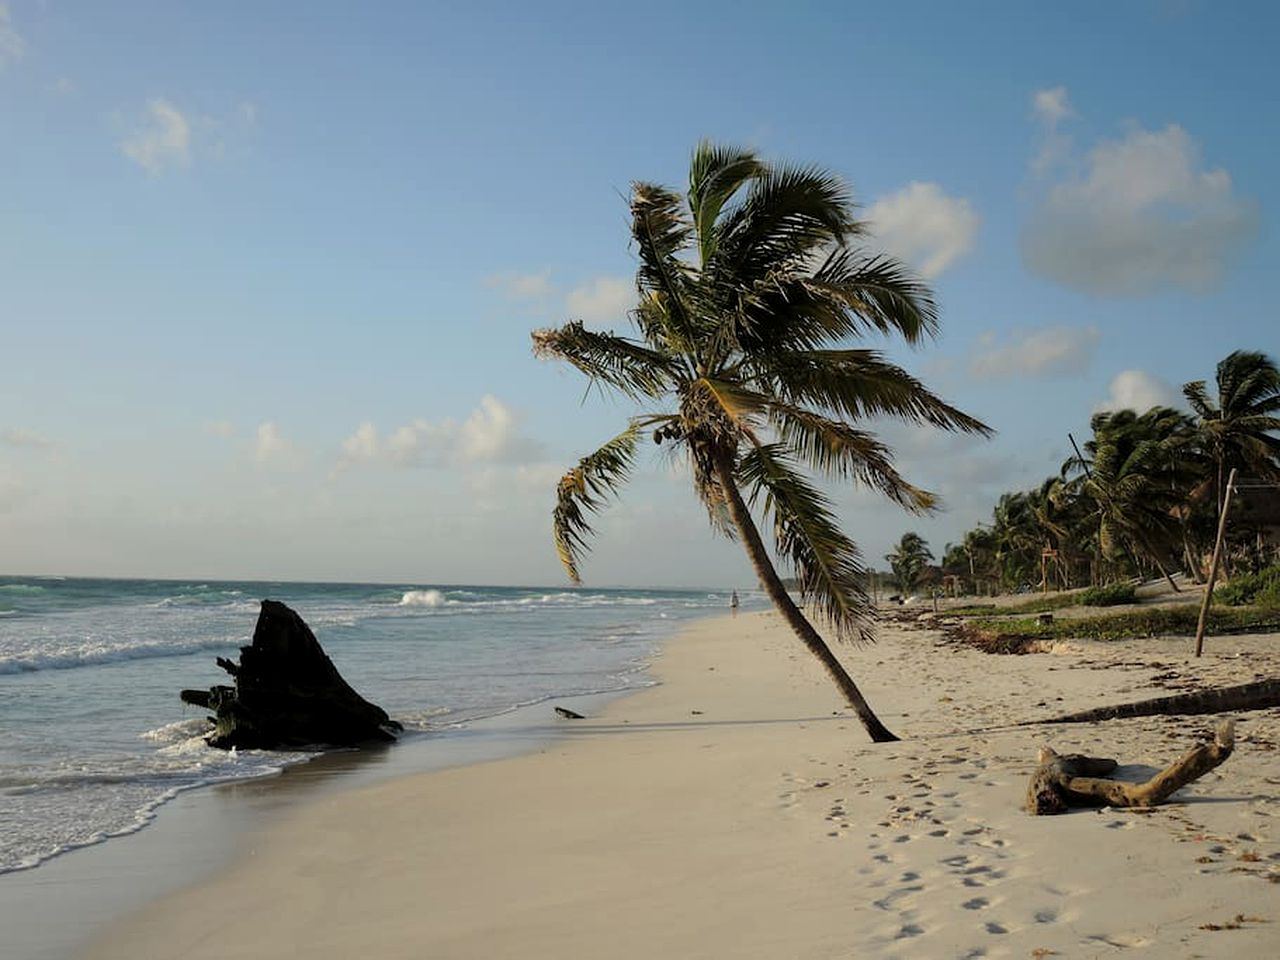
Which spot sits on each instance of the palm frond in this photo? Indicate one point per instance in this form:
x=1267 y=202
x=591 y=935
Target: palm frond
x=857 y=384
x=661 y=230
x=1198 y=399
x=879 y=293
x=629 y=367
x=716 y=173
x=844 y=453
x=788 y=214
x=826 y=562
x=585 y=489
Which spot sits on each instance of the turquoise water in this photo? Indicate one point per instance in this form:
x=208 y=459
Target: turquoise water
x=93 y=737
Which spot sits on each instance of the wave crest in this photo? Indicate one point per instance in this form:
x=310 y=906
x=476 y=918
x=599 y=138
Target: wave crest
x=423 y=598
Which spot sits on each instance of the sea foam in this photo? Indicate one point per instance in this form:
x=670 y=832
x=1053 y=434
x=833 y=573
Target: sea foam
x=423 y=598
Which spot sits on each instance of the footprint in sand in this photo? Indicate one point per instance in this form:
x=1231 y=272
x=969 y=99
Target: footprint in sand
x=886 y=902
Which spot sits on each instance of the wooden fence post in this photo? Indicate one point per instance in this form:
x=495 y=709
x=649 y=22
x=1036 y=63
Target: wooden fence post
x=1213 y=566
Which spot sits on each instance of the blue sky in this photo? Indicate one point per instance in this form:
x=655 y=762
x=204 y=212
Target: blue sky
x=267 y=271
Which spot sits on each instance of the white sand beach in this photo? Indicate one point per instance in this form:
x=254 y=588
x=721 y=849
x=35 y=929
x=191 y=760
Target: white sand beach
x=738 y=811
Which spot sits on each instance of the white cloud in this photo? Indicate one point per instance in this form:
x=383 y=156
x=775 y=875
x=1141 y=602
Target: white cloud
x=361 y=445
x=522 y=286
x=1137 y=390
x=11 y=44
x=1135 y=215
x=1052 y=105
x=923 y=226
x=162 y=140
x=270 y=446
x=602 y=301
x=489 y=434
x=504 y=487
x=25 y=439
x=1048 y=352
x=409 y=445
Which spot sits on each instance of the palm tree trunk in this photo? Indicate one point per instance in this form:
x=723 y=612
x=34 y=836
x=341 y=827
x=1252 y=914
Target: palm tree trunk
x=1146 y=544
x=777 y=593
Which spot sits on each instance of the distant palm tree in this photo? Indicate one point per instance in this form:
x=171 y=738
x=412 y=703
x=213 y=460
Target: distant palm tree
x=748 y=286
x=1238 y=428
x=1135 y=474
x=908 y=561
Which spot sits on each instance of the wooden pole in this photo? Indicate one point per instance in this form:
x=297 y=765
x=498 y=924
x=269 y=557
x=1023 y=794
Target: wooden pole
x=1213 y=566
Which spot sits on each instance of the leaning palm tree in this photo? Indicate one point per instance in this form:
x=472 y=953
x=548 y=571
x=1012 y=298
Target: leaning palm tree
x=1239 y=429
x=1137 y=476
x=908 y=560
x=749 y=288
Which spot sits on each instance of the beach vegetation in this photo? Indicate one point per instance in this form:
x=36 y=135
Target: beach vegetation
x=1109 y=595
x=1261 y=588
x=1012 y=634
x=753 y=292
x=1142 y=497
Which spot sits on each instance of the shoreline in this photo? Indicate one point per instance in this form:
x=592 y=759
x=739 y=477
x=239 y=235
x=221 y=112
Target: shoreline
x=53 y=910
x=736 y=809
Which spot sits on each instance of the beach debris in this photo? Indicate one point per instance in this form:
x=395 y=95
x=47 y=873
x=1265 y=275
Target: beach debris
x=1246 y=696
x=1075 y=780
x=288 y=693
x=567 y=714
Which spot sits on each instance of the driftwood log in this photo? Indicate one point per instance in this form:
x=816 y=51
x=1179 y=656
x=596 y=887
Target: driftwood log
x=287 y=693
x=1246 y=696
x=1078 y=781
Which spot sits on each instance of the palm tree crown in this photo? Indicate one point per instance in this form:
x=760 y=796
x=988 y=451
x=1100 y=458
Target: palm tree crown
x=1238 y=429
x=749 y=289
x=909 y=559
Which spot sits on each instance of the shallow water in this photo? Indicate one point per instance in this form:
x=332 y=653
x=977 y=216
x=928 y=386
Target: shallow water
x=93 y=738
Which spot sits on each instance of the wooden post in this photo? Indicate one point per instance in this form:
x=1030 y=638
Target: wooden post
x=1213 y=566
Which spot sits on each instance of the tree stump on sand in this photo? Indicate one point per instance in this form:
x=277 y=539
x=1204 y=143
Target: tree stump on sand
x=1075 y=780
x=287 y=693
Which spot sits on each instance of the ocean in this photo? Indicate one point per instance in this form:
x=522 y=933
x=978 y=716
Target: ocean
x=93 y=737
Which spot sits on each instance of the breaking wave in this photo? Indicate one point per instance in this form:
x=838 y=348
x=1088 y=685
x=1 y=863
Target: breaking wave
x=423 y=598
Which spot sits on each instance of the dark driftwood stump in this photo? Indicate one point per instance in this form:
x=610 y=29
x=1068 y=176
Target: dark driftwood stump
x=287 y=693
x=1075 y=780
x=1246 y=696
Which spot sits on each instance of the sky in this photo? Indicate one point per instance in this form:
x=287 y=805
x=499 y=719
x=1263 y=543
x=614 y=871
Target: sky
x=268 y=271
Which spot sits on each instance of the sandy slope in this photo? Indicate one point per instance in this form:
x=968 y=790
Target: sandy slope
x=737 y=812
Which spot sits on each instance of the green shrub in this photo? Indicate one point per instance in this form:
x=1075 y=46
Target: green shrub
x=1107 y=596
x=1006 y=636
x=1262 y=589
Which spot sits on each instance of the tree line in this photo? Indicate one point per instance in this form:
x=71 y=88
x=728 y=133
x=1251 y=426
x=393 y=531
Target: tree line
x=1141 y=497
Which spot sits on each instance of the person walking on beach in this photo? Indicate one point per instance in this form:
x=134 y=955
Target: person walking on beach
x=733 y=602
